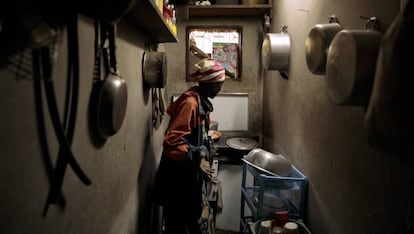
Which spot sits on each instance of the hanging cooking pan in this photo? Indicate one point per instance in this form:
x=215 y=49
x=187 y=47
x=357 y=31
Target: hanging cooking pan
x=317 y=44
x=351 y=63
x=113 y=95
x=276 y=50
x=154 y=69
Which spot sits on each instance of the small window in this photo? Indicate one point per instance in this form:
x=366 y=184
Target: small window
x=220 y=43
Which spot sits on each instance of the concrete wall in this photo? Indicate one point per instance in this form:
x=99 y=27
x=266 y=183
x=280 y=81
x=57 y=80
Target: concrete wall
x=353 y=189
x=121 y=168
x=251 y=80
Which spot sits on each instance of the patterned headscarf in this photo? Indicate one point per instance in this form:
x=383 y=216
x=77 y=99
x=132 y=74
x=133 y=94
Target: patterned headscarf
x=208 y=71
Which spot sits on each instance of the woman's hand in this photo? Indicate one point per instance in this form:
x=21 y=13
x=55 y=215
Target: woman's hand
x=205 y=165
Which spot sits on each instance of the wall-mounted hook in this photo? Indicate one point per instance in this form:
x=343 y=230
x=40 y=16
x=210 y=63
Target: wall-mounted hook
x=284 y=74
x=333 y=19
x=151 y=46
x=284 y=28
x=266 y=23
x=371 y=23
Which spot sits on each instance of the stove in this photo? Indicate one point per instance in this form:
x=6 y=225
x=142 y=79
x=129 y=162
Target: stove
x=228 y=155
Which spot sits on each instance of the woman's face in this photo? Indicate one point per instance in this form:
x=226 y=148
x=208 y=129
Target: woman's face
x=211 y=89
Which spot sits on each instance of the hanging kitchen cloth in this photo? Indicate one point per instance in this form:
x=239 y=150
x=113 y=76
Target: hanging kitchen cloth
x=207 y=219
x=390 y=114
x=215 y=194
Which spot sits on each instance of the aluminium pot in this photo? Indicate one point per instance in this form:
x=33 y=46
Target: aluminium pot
x=317 y=45
x=276 y=51
x=154 y=69
x=351 y=63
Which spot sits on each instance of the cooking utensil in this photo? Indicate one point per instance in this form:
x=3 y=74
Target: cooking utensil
x=276 y=50
x=317 y=44
x=274 y=163
x=113 y=95
x=351 y=64
x=154 y=69
x=242 y=143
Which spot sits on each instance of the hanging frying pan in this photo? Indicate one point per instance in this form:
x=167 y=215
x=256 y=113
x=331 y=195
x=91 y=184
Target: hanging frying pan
x=113 y=95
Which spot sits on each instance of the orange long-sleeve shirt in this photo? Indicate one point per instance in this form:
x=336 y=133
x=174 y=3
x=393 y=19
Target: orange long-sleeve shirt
x=185 y=118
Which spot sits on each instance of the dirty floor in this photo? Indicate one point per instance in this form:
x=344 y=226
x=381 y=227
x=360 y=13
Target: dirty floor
x=225 y=232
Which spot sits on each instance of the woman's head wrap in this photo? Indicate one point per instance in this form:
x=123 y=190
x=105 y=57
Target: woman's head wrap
x=208 y=71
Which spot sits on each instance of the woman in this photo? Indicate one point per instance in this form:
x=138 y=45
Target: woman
x=187 y=155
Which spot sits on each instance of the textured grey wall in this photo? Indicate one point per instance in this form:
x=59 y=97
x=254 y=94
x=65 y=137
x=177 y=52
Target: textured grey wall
x=352 y=189
x=121 y=169
x=251 y=80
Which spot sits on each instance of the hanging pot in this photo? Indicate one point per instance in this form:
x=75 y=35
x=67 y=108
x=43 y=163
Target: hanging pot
x=154 y=69
x=317 y=44
x=276 y=50
x=351 y=63
x=112 y=99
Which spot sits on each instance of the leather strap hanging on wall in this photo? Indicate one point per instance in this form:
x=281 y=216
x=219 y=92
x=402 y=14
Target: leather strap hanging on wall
x=65 y=138
x=61 y=201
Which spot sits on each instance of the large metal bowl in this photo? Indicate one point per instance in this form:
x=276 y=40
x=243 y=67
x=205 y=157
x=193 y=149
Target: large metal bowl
x=276 y=164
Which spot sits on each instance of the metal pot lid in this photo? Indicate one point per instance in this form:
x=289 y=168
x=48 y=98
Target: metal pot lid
x=242 y=143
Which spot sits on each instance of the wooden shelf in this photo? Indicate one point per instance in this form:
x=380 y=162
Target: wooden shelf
x=146 y=16
x=229 y=10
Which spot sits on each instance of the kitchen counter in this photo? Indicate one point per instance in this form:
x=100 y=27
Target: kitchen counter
x=227 y=155
x=230 y=175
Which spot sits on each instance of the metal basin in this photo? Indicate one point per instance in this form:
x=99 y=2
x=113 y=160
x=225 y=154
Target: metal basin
x=276 y=164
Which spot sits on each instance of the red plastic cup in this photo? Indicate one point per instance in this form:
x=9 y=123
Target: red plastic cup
x=281 y=217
